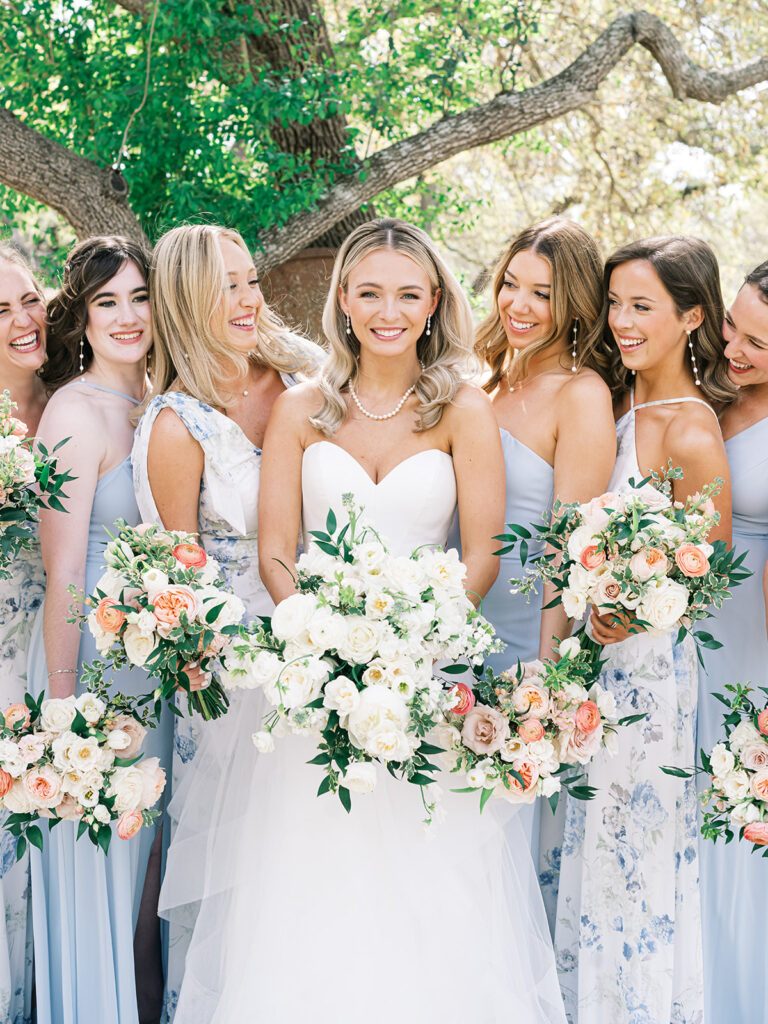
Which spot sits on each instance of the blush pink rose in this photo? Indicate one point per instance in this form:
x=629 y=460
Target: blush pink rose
x=190 y=555
x=759 y=784
x=592 y=557
x=135 y=730
x=530 y=701
x=16 y=713
x=762 y=722
x=43 y=786
x=129 y=823
x=691 y=560
x=108 y=617
x=6 y=782
x=466 y=699
x=530 y=730
x=171 y=602
x=587 y=716
x=755 y=755
x=485 y=730
x=648 y=562
x=757 y=832
x=154 y=782
x=582 y=746
x=607 y=591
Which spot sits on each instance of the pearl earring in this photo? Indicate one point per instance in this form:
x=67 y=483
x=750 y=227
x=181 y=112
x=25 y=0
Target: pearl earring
x=429 y=324
x=693 y=361
x=81 y=355
x=574 y=367
x=349 y=325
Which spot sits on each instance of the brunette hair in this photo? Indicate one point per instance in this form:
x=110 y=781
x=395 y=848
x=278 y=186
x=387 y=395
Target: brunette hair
x=687 y=267
x=576 y=299
x=88 y=267
x=759 y=278
x=10 y=254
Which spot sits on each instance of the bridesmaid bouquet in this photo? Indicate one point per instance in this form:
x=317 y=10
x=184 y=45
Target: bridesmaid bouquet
x=349 y=658
x=28 y=482
x=524 y=735
x=76 y=759
x=737 y=800
x=162 y=606
x=638 y=554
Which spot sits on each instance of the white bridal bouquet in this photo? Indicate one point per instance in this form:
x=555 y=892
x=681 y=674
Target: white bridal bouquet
x=76 y=759
x=638 y=554
x=349 y=658
x=737 y=800
x=28 y=482
x=162 y=605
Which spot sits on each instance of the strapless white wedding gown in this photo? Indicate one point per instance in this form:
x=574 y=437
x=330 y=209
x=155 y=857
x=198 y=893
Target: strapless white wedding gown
x=336 y=918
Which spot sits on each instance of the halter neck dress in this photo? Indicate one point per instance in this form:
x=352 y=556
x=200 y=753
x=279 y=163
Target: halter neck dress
x=628 y=929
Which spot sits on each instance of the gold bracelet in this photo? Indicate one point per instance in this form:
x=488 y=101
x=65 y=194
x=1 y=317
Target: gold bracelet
x=63 y=671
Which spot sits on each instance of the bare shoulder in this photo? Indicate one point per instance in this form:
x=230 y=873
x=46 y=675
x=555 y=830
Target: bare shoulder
x=170 y=429
x=693 y=431
x=586 y=386
x=74 y=411
x=298 y=402
x=470 y=399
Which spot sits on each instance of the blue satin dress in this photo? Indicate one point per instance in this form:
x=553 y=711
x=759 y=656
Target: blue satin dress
x=734 y=905
x=85 y=905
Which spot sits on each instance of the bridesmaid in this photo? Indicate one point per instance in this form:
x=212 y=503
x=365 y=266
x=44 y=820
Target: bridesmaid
x=733 y=880
x=85 y=905
x=628 y=933
x=22 y=353
x=222 y=357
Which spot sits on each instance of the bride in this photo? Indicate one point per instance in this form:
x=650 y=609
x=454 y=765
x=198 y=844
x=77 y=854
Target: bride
x=336 y=918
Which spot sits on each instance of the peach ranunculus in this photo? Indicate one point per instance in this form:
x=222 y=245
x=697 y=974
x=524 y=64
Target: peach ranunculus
x=530 y=730
x=465 y=699
x=129 y=823
x=485 y=730
x=135 y=731
x=759 y=784
x=6 y=782
x=592 y=557
x=530 y=701
x=109 y=618
x=43 y=786
x=192 y=556
x=691 y=560
x=587 y=716
x=762 y=722
x=16 y=713
x=757 y=832
x=171 y=602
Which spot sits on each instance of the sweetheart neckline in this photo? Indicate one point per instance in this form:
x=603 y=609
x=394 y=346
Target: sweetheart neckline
x=361 y=467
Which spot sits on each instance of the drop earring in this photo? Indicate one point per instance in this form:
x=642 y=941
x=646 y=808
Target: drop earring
x=81 y=355
x=574 y=367
x=349 y=325
x=429 y=324
x=693 y=361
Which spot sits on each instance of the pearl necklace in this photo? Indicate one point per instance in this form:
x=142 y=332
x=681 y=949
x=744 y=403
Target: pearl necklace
x=386 y=415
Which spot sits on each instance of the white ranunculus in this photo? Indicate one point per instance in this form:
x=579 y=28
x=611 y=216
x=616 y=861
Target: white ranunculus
x=263 y=741
x=378 y=603
x=138 y=645
x=153 y=581
x=360 y=777
x=57 y=713
x=127 y=786
x=299 y=683
x=361 y=640
x=341 y=695
x=569 y=647
x=744 y=733
x=292 y=616
x=378 y=707
x=90 y=707
x=664 y=603
x=574 y=604
x=476 y=778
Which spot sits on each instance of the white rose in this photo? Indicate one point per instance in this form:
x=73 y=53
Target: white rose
x=127 y=786
x=736 y=786
x=101 y=814
x=361 y=640
x=112 y=583
x=574 y=604
x=341 y=695
x=118 y=739
x=388 y=744
x=406 y=576
x=476 y=778
x=299 y=683
x=325 y=631
x=569 y=647
x=292 y=616
x=90 y=707
x=138 y=645
x=263 y=741
x=604 y=699
x=582 y=537
x=17 y=800
x=378 y=707
x=549 y=784
x=360 y=777
x=722 y=760
x=664 y=604
x=744 y=733
x=57 y=714
x=153 y=581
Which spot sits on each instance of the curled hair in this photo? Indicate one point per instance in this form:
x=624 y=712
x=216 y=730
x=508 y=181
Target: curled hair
x=575 y=263
x=759 y=278
x=687 y=267
x=189 y=280
x=10 y=254
x=444 y=353
x=88 y=267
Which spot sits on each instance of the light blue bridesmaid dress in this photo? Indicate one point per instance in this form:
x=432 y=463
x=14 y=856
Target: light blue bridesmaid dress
x=733 y=879
x=85 y=905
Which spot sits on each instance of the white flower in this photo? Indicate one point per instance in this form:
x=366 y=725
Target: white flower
x=743 y=734
x=513 y=749
x=405 y=575
x=90 y=707
x=378 y=707
x=292 y=616
x=605 y=700
x=17 y=800
x=250 y=669
x=138 y=645
x=735 y=785
x=611 y=742
x=370 y=557
x=388 y=743
x=315 y=562
x=443 y=569
x=476 y=778
x=341 y=695
x=361 y=640
x=153 y=581
x=263 y=741
x=11 y=758
x=744 y=813
x=664 y=603
x=549 y=784
x=582 y=537
x=112 y=583
x=722 y=760
x=57 y=714
x=144 y=621
x=118 y=739
x=574 y=604
x=101 y=813
x=118 y=553
x=360 y=777
x=127 y=786
x=325 y=631
x=378 y=604
x=230 y=614
x=84 y=753
x=299 y=683
x=569 y=647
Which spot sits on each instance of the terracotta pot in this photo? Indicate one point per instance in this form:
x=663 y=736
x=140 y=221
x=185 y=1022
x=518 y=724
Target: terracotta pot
x=297 y=290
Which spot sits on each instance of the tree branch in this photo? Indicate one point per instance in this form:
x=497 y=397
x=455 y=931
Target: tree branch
x=509 y=114
x=91 y=198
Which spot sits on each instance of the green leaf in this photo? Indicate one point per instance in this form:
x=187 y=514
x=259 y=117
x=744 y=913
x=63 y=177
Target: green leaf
x=485 y=796
x=678 y=773
x=631 y=719
x=454 y=670
x=330 y=525
x=324 y=786
x=21 y=846
x=345 y=797
x=35 y=836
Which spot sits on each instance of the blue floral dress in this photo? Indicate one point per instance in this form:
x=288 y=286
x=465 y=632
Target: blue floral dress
x=628 y=927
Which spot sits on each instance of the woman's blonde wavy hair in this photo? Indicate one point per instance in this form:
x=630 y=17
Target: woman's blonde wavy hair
x=688 y=269
x=576 y=266
x=444 y=353
x=187 y=284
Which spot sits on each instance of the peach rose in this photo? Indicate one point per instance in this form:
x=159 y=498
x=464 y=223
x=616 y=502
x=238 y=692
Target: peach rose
x=109 y=618
x=757 y=832
x=466 y=699
x=190 y=555
x=485 y=730
x=592 y=557
x=6 y=782
x=587 y=717
x=648 y=562
x=135 y=731
x=530 y=700
x=530 y=730
x=762 y=722
x=530 y=773
x=607 y=591
x=43 y=786
x=759 y=784
x=129 y=823
x=16 y=713
x=171 y=602
x=691 y=560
